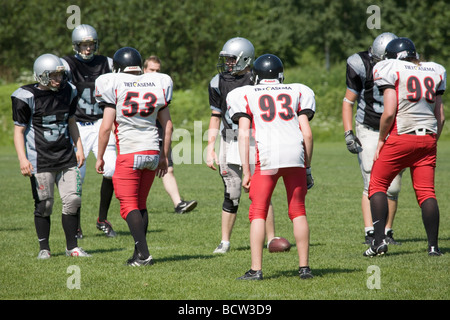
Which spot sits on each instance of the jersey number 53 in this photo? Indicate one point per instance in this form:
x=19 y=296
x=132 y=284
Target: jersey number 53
x=133 y=104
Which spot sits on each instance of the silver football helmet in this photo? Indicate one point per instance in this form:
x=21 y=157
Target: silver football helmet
x=84 y=32
x=45 y=65
x=236 y=55
x=376 y=51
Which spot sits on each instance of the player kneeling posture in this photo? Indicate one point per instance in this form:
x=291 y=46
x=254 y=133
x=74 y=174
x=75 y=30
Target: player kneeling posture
x=280 y=114
x=45 y=132
x=134 y=101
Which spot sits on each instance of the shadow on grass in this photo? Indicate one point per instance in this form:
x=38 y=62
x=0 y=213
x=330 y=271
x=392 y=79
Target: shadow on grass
x=316 y=272
x=185 y=257
x=91 y=252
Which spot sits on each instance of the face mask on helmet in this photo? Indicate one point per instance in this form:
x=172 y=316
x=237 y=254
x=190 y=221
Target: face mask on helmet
x=232 y=64
x=86 y=49
x=49 y=71
x=237 y=54
x=81 y=36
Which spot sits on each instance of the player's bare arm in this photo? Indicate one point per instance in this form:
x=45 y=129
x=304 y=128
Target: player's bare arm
x=166 y=123
x=353 y=143
x=307 y=138
x=213 y=130
x=109 y=114
x=75 y=135
x=347 y=109
x=439 y=114
x=19 y=142
x=244 y=151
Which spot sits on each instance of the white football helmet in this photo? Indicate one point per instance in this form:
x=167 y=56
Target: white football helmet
x=376 y=51
x=84 y=32
x=241 y=51
x=44 y=66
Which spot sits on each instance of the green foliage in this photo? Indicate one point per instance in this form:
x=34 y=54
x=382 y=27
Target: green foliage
x=188 y=34
x=312 y=37
x=6 y=122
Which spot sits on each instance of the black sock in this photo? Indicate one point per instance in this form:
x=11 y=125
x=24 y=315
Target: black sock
x=144 y=214
x=430 y=218
x=135 y=222
x=106 y=193
x=79 y=218
x=42 y=225
x=380 y=210
x=70 y=224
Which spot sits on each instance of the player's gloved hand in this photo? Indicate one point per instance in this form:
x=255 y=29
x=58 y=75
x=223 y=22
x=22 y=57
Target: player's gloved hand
x=353 y=143
x=309 y=178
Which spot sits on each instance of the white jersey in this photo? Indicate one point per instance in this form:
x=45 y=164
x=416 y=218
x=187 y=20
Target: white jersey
x=416 y=87
x=137 y=100
x=274 y=109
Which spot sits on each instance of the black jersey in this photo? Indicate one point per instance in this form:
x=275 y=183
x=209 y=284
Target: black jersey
x=83 y=75
x=45 y=114
x=218 y=89
x=360 y=81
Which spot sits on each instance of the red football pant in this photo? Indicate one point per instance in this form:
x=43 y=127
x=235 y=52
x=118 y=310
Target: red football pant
x=132 y=186
x=406 y=151
x=263 y=183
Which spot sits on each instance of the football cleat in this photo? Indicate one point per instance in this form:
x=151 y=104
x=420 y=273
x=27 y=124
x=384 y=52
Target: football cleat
x=368 y=237
x=77 y=252
x=138 y=262
x=434 y=251
x=222 y=248
x=373 y=251
x=106 y=227
x=305 y=273
x=79 y=234
x=252 y=275
x=185 y=206
x=389 y=238
x=44 y=254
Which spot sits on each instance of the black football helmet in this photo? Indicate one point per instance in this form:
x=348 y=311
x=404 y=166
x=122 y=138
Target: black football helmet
x=401 y=49
x=127 y=59
x=268 y=66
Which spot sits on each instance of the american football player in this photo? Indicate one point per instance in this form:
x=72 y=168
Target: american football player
x=44 y=136
x=410 y=127
x=84 y=67
x=360 y=89
x=279 y=115
x=234 y=70
x=134 y=101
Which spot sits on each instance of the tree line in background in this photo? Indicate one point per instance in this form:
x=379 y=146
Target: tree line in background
x=188 y=34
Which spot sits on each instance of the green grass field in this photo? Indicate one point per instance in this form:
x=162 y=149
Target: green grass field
x=185 y=267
